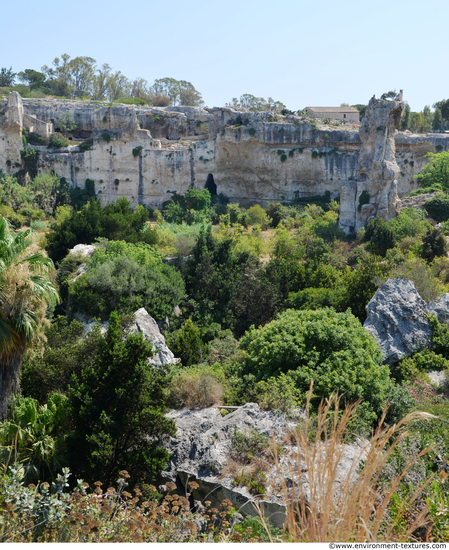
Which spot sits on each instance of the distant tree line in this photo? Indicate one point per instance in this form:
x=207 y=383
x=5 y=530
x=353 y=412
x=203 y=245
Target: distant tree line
x=81 y=78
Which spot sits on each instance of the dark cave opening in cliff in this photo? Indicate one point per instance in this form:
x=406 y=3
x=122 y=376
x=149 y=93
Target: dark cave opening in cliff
x=211 y=186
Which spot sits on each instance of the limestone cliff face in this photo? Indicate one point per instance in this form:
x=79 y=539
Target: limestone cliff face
x=147 y=153
x=11 y=122
x=374 y=191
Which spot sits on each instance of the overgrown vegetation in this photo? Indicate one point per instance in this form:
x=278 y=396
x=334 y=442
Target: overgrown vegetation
x=256 y=303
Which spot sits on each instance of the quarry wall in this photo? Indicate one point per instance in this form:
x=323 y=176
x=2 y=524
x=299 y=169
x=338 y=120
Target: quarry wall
x=147 y=153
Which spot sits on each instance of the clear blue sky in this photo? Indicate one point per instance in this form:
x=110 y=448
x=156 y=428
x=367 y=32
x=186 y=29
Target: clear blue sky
x=299 y=52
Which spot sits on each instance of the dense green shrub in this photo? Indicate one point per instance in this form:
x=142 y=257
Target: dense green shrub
x=316 y=298
x=415 y=367
x=438 y=208
x=35 y=139
x=30 y=158
x=279 y=394
x=86 y=145
x=187 y=344
x=125 y=277
x=117 y=408
x=361 y=283
x=379 y=237
x=440 y=337
x=174 y=213
x=257 y=215
x=333 y=349
x=399 y=402
x=326 y=227
x=434 y=244
x=13 y=194
x=226 y=286
x=363 y=199
x=116 y=221
x=58 y=141
x=137 y=150
x=436 y=172
x=411 y=222
x=66 y=353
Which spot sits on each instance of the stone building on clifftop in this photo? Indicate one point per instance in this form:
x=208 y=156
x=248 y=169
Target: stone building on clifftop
x=348 y=114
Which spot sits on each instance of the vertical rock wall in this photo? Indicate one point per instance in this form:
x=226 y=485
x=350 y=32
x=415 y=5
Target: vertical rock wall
x=11 y=124
x=374 y=191
x=147 y=153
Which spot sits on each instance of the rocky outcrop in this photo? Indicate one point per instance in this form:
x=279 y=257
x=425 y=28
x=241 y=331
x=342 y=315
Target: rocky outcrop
x=147 y=326
x=147 y=153
x=84 y=250
x=374 y=190
x=415 y=202
x=143 y=324
x=11 y=124
x=398 y=318
x=200 y=453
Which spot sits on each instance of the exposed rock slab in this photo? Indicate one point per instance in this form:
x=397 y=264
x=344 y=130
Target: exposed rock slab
x=85 y=250
x=200 y=452
x=397 y=318
x=147 y=326
x=440 y=308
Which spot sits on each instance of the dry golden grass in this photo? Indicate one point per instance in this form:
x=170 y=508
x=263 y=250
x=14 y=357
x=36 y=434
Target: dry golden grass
x=356 y=507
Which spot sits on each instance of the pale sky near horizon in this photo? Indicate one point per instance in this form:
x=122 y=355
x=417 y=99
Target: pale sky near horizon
x=320 y=53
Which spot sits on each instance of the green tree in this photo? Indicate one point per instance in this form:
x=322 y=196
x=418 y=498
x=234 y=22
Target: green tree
x=67 y=351
x=12 y=193
x=434 y=244
x=117 y=410
x=126 y=277
x=436 y=172
x=35 y=79
x=187 y=344
x=437 y=120
x=333 y=349
x=25 y=294
x=180 y=92
x=443 y=106
x=361 y=283
x=197 y=199
x=116 y=221
x=379 y=236
x=7 y=77
x=66 y=123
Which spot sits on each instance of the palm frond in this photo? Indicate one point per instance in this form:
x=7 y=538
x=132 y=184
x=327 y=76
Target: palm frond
x=38 y=259
x=44 y=289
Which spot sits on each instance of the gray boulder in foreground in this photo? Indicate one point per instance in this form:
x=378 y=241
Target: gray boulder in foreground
x=200 y=452
x=145 y=324
x=398 y=318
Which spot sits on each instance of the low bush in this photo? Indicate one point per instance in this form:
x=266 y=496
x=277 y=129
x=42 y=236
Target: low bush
x=35 y=139
x=58 y=141
x=196 y=389
x=331 y=348
x=415 y=368
x=279 y=394
x=45 y=513
x=257 y=216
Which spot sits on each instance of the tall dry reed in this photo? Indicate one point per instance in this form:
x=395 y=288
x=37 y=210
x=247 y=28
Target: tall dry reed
x=323 y=505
